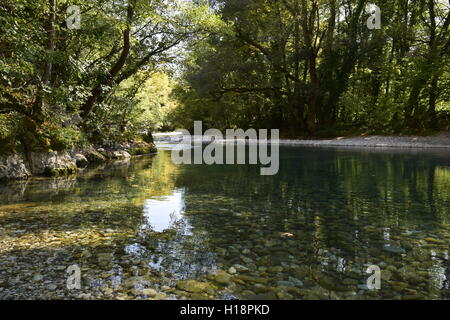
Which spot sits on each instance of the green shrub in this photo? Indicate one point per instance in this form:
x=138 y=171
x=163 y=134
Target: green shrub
x=64 y=138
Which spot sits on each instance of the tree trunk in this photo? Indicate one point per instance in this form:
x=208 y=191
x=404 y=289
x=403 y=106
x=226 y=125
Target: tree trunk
x=97 y=92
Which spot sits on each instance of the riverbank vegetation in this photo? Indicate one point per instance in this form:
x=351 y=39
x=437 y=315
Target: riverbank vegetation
x=314 y=67
x=62 y=86
x=308 y=67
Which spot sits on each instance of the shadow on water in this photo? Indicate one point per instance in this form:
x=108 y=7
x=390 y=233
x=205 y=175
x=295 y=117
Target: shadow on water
x=308 y=232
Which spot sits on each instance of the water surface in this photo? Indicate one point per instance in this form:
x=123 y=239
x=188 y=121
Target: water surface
x=151 y=229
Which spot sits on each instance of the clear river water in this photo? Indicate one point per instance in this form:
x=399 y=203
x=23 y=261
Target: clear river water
x=150 y=229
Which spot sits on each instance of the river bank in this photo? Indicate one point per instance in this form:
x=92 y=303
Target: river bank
x=19 y=166
x=441 y=140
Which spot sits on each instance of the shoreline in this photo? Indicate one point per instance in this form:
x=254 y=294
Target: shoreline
x=22 y=166
x=439 y=141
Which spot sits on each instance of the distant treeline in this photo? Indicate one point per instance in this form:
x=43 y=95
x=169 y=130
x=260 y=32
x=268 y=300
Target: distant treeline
x=315 y=67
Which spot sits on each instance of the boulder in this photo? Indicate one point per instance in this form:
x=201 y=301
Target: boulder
x=13 y=167
x=80 y=160
x=119 y=155
x=52 y=163
x=141 y=148
x=94 y=156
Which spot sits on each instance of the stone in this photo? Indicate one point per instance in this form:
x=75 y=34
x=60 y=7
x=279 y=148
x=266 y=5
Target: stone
x=132 y=282
x=38 y=277
x=107 y=291
x=386 y=275
x=223 y=278
x=232 y=270
x=284 y=283
x=84 y=296
x=142 y=148
x=52 y=163
x=149 y=292
x=296 y=282
x=240 y=268
x=192 y=286
x=93 y=155
x=80 y=160
x=246 y=260
x=277 y=269
x=252 y=279
x=391 y=268
x=393 y=249
x=104 y=259
x=13 y=167
x=286 y=235
x=160 y=296
x=284 y=295
x=363 y=287
x=119 y=155
x=52 y=287
x=434 y=241
x=262 y=296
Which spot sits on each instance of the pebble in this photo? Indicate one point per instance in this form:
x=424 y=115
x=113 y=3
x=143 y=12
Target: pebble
x=38 y=277
x=393 y=249
x=222 y=278
x=149 y=292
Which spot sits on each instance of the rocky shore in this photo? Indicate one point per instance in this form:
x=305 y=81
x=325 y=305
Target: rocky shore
x=59 y=163
x=439 y=141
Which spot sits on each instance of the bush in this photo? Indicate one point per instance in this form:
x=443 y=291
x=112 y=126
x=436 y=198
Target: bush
x=64 y=138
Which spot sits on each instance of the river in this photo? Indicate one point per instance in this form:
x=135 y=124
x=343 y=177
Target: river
x=150 y=229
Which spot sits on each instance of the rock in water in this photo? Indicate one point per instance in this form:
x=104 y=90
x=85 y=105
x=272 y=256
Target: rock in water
x=222 y=278
x=52 y=163
x=192 y=286
x=81 y=160
x=13 y=167
x=393 y=249
x=93 y=155
x=149 y=292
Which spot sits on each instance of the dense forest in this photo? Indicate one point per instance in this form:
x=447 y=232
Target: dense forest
x=63 y=85
x=305 y=66
x=315 y=67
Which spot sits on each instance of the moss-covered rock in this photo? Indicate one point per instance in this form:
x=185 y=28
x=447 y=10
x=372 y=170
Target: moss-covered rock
x=52 y=163
x=142 y=148
x=94 y=156
x=56 y=172
x=193 y=286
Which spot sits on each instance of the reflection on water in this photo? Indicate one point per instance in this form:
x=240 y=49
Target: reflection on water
x=150 y=229
x=165 y=211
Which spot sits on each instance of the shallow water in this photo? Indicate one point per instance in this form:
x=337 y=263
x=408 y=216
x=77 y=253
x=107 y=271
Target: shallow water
x=151 y=229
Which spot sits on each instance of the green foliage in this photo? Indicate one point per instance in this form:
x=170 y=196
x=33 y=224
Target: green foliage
x=65 y=86
x=303 y=66
x=8 y=143
x=298 y=65
x=64 y=138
